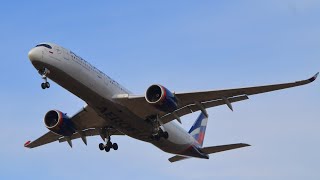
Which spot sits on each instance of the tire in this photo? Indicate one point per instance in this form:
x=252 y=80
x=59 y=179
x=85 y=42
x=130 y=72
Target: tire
x=101 y=146
x=47 y=84
x=152 y=137
x=43 y=85
x=115 y=146
x=166 y=135
x=107 y=149
x=157 y=137
x=109 y=144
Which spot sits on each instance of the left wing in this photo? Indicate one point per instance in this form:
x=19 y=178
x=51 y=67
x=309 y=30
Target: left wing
x=195 y=101
x=86 y=121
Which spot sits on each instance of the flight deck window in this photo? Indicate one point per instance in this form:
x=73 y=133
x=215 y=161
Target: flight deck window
x=44 y=45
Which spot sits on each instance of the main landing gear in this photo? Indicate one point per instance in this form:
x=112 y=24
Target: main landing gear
x=44 y=72
x=108 y=145
x=159 y=135
x=157 y=131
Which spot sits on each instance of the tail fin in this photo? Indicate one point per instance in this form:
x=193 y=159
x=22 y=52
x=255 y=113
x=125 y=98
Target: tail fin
x=198 y=130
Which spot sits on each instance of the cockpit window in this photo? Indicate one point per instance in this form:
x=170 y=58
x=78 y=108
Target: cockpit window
x=44 y=45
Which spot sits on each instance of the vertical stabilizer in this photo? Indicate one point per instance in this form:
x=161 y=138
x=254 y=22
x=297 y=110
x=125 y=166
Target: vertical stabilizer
x=198 y=130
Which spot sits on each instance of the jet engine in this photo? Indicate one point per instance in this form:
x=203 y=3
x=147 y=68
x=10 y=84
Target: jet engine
x=59 y=123
x=161 y=98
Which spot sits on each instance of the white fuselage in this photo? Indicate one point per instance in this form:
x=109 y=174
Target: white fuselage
x=97 y=90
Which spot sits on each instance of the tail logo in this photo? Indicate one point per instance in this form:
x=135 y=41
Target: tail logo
x=198 y=129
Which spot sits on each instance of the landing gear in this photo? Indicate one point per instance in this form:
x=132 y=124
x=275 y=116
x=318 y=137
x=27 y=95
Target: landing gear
x=107 y=149
x=45 y=85
x=108 y=145
x=166 y=135
x=44 y=72
x=101 y=146
x=159 y=135
x=115 y=146
x=158 y=132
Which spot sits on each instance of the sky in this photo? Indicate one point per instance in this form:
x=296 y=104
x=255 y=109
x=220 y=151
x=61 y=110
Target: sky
x=185 y=46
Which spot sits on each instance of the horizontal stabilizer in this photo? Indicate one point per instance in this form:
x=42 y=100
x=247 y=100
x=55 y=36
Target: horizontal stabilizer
x=177 y=158
x=211 y=150
x=216 y=149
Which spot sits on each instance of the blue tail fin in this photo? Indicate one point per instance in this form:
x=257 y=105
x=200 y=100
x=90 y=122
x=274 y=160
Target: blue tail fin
x=198 y=130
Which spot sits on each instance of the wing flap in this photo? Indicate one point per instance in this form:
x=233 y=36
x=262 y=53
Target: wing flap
x=194 y=108
x=88 y=133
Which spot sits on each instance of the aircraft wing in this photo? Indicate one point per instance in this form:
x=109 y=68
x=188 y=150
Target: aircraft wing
x=187 y=98
x=87 y=123
x=195 y=101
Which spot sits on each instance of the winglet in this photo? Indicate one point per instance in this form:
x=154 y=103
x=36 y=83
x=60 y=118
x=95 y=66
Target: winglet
x=27 y=144
x=314 y=77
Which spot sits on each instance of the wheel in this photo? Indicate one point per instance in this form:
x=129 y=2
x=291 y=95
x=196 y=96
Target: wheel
x=157 y=137
x=43 y=85
x=107 y=149
x=101 y=146
x=109 y=144
x=47 y=85
x=165 y=135
x=115 y=146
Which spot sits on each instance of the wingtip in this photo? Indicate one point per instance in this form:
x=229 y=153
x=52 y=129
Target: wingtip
x=27 y=144
x=246 y=145
x=314 y=77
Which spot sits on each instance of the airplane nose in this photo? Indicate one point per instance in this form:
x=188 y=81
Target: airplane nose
x=35 y=54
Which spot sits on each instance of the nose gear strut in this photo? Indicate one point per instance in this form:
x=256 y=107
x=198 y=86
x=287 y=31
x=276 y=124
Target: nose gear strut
x=44 y=72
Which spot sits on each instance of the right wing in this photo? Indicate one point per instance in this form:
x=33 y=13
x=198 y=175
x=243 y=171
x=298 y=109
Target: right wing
x=187 y=98
x=195 y=101
x=87 y=122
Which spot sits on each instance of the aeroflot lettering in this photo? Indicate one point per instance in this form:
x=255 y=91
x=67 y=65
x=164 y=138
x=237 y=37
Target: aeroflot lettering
x=96 y=70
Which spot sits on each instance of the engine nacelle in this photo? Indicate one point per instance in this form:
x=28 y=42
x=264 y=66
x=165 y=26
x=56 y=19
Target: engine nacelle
x=161 y=98
x=59 y=123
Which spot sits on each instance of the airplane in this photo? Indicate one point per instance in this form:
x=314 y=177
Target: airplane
x=112 y=110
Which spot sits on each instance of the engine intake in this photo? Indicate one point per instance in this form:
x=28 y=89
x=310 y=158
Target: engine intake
x=161 y=98
x=59 y=123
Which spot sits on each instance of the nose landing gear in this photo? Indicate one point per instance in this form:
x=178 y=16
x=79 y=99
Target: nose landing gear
x=45 y=85
x=44 y=72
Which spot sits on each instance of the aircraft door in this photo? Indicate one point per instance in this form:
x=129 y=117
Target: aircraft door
x=66 y=54
x=106 y=80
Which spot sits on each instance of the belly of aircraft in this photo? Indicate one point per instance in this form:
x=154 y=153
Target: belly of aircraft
x=117 y=116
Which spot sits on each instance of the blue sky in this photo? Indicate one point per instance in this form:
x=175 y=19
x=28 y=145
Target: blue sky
x=186 y=46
